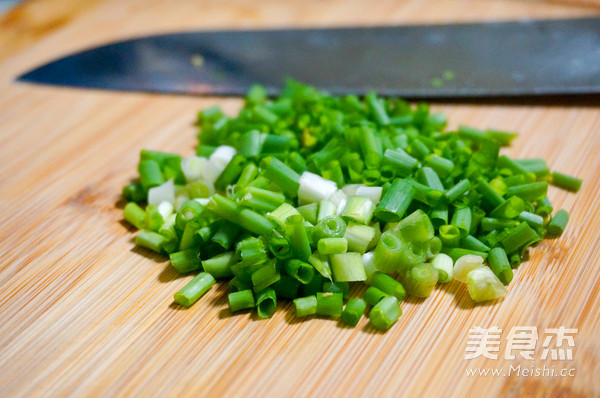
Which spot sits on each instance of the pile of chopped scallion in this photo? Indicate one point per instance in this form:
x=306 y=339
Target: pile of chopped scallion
x=299 y=196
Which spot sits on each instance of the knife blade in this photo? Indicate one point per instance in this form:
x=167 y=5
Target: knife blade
x=529 y=57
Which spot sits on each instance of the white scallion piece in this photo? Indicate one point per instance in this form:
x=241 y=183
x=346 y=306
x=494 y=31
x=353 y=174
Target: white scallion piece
x=202 y=201
x=443 y=263
x=466 y=264
x=162 y=193
x=351 y=189
x=165 y=209
x=222 y=155
x=339 y=198
x=314 y=188
x=213 y=170
x=193 y=167
x=373 y=193
x=484 y=285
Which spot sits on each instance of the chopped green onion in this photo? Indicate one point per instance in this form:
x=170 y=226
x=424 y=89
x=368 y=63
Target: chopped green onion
x=511 y=208
x=186 y=261
x=483 y=285
x=450 y=235
x=299 y=270
x=332 y=246
x=194 y=289
x=556 y=226
x=296 y=234
x=150 y=174
x=532 y=191
x=519 y=237
x=321 y=266
x=500 y=265
x=309 y=212
x=443 y=264
x=358 y=209
x=353 y=311
x=385 y=313
x=388 y=285
x=329 y=304
x=374 y=295
x=265 y=276
x=395 y=202
x=466 y=264
x=472 y=243
x=281 y=175
x=420 y=280
x=347 y=267
x=461 y=219
x=266 y=303
x=567 y=182
x=306 y=306
x=134 y=215
x=359 y=237
x=219 y=266
x=151 y=240
x=241 y=300
x=326 y=209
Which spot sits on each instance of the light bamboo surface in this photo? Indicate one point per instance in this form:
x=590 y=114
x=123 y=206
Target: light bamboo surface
x=84 y=313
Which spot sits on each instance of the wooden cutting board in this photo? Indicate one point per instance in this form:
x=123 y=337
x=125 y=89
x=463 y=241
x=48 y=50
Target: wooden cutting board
x=84 y=313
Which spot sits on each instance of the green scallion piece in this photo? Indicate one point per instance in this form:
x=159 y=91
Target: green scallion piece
x=511 y=208
x=458 y=190
x=299 y=270
x=559 y=221
x=186 y=261
x=567 y=182
x=151 y=240
x=280 y=246
x=385 y=313
x=420 y=280
x=534 y=220
x=544 y=207
x=219 y=266
x=488 y=193
x=399 y=161
x=359 y=237
x=194 y=289
x=266 y=303
x=309 y=212
x=472 y=243
x=306 y=306
x=532 y=191
x=490 y=224
x=134 y=215
x=265 y=276
x=353 y=311
x=461 y=219
x=330 y=304
x=358 y=209
x=388 y=285
x=457 y=252
x=499 y=264
x=519 y=237
x=241 y=300
x=296 y=234
x=450 y=235
x=327 y=246
x=347 y=267
x=395 y=202
x=150 y=174
x=281 y=175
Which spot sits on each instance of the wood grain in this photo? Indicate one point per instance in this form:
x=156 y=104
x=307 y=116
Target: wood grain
x=84 y=313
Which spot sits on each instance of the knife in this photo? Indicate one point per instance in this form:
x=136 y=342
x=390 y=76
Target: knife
x=518 y=58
